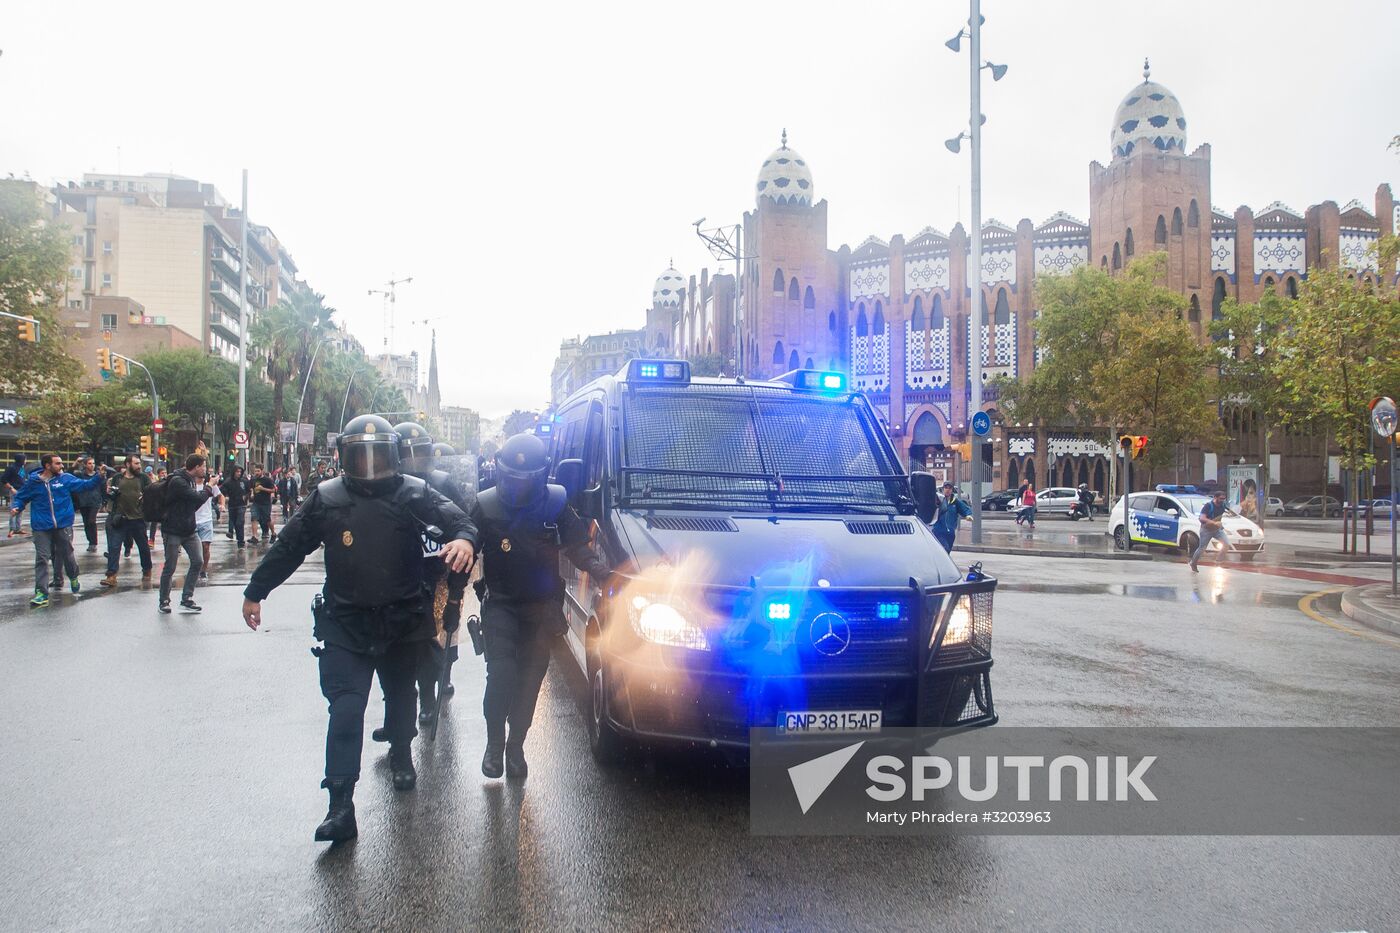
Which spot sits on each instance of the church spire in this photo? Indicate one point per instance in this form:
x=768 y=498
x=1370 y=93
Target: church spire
x=434 y=396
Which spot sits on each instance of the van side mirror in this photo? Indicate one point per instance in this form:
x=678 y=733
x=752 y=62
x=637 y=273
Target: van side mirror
x=925 y=489
x=569 y=474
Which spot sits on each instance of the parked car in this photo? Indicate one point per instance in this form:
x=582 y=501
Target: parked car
x=1055 y=499
x=1170 y=516
x=999 y=501
x=1274 y=507
x=1309 y=506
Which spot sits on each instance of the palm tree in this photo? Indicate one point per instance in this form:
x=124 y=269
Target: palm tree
x=274 y=336
x=312 y=324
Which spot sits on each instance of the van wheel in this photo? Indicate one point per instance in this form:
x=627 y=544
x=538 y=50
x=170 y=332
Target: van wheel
x=1189 y=542
x=1120 y=539
x=603 y=740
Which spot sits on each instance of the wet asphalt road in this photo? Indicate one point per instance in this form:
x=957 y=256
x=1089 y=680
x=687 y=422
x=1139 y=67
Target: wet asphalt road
x=161 y=772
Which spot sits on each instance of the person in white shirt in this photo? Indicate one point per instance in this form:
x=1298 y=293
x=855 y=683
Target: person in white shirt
x=204 y=527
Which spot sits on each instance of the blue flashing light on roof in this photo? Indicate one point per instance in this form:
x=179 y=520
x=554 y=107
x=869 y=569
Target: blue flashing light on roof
x=659 y=372
x=814 y=380
x=1179 y=488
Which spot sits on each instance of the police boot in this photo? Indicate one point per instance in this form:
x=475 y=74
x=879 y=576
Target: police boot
x=381 y=734
x=515 y=760
x=401 y=765
x=339 y=823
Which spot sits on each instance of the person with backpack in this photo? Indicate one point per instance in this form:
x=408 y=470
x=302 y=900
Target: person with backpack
x=126 y=523
x=952 y=510
x=51 y=490
x=180 y=497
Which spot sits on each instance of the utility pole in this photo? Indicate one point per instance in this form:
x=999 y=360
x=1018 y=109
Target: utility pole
x=243 y=319
x=728 y=243
x=390 y=295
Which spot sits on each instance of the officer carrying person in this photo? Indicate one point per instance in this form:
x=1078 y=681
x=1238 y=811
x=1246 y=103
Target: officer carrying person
x=523 y=524
x=375 y=607
x=419 y=457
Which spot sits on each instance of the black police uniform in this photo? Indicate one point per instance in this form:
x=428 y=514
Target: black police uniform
x=377 y=605
x=523 y=611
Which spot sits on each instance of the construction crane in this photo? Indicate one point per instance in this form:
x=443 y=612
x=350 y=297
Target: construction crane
x=389 y=293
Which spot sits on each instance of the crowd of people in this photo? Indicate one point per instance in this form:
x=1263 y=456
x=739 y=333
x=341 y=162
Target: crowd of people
x=141 y=502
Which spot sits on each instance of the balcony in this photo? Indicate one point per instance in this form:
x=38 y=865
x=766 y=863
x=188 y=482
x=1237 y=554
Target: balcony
x=225 y=294
x=224 y=325
x=227 y=263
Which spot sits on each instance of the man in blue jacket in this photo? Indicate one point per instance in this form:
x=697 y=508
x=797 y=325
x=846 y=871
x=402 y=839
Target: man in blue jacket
x=954 y=510
x=51 y=490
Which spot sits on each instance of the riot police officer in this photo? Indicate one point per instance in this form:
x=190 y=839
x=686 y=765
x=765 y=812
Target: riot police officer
x=374 y=608
x=524 y=523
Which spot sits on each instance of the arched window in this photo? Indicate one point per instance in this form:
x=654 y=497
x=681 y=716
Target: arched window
x=1269 y=284
x=862 y=326
x=1013 y=474
x=936 y=320
x=1117 y=258
x=1103 y=263
x=879 y=322
x=778 y=354
x=1002 y=315
x=1195 y=313
x=810 y=299
x=1159 y=236
x=794 y=291
x=778 y=281
x=1290 y=287
x=1217 y=299
x=831 y=321
x=1128 y=243
x=1176 y=222
x=809 y=363
x=1193 y=215
x=792 y=360
x=916 y=320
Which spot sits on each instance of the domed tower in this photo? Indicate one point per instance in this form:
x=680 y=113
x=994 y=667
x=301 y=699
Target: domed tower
x=791 y=295
x=667 y=304
x=1154 y=195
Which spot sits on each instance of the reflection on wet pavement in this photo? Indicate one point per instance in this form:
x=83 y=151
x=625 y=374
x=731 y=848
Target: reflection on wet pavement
x=1209 y=588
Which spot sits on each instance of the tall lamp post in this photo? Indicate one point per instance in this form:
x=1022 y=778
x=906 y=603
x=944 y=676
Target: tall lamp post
x=973 y=33
x=728 y=243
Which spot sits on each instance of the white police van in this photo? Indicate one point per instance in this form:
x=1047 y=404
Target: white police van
x=1170 y=516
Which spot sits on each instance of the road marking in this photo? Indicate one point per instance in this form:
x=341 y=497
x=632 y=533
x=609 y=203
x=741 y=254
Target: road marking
x=1305 y=606
x=1292 y=573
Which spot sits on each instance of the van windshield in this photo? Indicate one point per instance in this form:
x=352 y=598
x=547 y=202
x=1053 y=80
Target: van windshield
x=755 y=446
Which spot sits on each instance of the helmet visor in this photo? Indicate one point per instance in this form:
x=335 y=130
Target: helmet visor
x=370 y=460
x=519 y=491
x=417 y=457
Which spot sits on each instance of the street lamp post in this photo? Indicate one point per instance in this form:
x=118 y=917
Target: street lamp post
x=728 y=243
x=974 y=135
x=243 y=317
x=310 y=367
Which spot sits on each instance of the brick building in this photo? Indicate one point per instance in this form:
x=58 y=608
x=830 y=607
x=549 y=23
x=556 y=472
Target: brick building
x=895 y=314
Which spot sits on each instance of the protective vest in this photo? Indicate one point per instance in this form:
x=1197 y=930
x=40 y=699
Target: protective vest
x=520 y=549
x=373 y=545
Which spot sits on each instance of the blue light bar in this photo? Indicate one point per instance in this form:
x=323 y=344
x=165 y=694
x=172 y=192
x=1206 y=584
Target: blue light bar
x=1180 y=488
x=780 y=610
x=814 y=380
x=674 y=372
x=887 y=611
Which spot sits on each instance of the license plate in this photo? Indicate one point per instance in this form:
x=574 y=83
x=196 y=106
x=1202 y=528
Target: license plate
x=849 y=720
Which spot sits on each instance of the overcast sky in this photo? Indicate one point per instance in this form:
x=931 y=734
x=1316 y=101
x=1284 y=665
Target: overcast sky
x=534 y=166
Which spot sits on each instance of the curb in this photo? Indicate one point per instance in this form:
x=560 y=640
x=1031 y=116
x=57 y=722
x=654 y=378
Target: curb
x=1355 y=608
x=1045 y=552
x=1339 y=557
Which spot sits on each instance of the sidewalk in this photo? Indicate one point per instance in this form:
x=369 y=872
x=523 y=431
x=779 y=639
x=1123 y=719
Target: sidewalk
x=1374 y=606
x=1061 y=539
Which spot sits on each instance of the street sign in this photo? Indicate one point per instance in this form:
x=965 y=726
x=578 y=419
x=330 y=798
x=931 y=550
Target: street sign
x=158 y=425
x=981 y=424
x=240 y=439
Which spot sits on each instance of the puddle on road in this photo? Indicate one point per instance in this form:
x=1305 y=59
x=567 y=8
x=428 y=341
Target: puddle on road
x=1204 y=591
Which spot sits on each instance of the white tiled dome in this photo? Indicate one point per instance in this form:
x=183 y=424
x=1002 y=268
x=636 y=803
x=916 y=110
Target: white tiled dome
x=785 y=177
x=668 y=289
x=1150 y=118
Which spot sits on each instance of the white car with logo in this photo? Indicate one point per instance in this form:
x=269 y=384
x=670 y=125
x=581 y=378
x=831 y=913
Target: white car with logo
x=1170 y=516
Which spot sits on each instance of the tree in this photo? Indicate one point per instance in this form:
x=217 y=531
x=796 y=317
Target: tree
x=1341 y=349
x=519 y=422
x=193 y=385
x=33 y=266
x=107 y=418
x=1118 y=354
x=707 y=364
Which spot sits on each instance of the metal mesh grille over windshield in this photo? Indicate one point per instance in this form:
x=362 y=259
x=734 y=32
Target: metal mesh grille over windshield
x=752 y=445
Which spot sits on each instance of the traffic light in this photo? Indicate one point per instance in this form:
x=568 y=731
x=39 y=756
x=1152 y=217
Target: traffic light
x=119 y=365
x=104 y=359
x=1134 y=445
x=146 y=444
x=162 y=452
x=964 y=450
x=27 y=332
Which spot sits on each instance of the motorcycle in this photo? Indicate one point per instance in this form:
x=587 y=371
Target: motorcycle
x=1079 y=510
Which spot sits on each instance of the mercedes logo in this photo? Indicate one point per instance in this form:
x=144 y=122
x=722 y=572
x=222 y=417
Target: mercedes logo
x=830 y=634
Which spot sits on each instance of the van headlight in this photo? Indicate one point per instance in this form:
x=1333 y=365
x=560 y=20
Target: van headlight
x=959 y=628
x=665 y=623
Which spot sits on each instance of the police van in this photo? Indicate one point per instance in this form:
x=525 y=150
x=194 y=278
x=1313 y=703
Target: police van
x=775 y=565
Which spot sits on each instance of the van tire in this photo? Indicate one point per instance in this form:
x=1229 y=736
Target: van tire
x=603 y=740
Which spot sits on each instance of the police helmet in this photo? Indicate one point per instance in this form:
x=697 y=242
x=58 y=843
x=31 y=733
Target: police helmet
x=441 y=451
x=415 y=448
x=522 y=470
x=369 y=450
x=1083 y=485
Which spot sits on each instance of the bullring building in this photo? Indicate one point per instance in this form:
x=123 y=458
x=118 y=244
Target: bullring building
x=895 y=314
